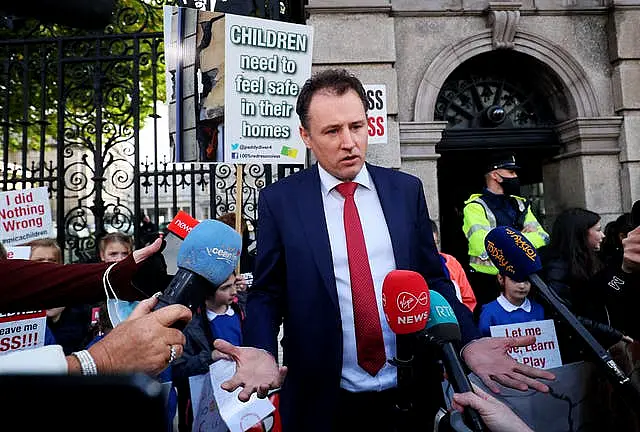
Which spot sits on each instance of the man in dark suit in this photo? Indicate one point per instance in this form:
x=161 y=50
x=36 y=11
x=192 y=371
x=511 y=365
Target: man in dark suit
x=328 y=237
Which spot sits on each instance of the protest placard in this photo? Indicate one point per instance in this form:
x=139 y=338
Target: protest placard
x=22 y=330
x=18 y=252
x=377 y=113
x=25 y=215
x=232 y=83
x=544 y=353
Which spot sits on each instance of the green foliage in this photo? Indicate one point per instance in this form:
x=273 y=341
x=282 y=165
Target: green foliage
x=29 y=75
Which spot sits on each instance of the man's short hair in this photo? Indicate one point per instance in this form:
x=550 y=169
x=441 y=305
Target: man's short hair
x=337 y=81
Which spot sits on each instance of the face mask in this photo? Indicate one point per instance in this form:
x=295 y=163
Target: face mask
x=118 y=310
x=510 y=185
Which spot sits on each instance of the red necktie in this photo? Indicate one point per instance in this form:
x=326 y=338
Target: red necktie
x=369 y=342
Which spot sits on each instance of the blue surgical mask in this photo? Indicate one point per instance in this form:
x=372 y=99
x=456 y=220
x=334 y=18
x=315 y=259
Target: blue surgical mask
x=118 y=310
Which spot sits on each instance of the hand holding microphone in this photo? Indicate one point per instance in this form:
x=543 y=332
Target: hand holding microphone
x=515 y=256
x=411 y=309
x=208 y=255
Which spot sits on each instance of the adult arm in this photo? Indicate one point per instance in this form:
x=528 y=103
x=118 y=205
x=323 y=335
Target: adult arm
x=140 y=344
x=29 y=285
x=256 y=368
x=431 y=269
x=265 y=297
x=497 y=416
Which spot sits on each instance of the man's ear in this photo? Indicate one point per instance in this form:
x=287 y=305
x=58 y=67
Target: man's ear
x=304 y=134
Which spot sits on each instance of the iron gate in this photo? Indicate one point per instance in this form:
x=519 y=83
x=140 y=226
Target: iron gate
x=83 y=115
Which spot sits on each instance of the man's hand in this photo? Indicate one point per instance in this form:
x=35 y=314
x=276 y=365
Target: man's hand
x=488 y=358
x=143 y=342
x=256 y=370
x=528 y=228
x=497 y=416
x=631 y=257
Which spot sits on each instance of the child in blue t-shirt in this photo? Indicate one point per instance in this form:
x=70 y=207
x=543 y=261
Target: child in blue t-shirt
x=511 y=307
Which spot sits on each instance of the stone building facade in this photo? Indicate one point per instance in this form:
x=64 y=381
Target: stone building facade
x=567 y=73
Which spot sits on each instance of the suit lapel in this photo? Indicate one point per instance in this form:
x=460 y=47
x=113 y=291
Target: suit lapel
x=314 y=226
x=393 y=207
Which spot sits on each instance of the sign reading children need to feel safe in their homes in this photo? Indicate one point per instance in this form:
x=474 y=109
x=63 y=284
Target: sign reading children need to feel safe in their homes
x=266 y=65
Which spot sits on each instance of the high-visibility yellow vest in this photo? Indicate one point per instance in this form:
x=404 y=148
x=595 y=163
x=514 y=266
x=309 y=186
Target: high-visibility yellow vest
x=479 y=220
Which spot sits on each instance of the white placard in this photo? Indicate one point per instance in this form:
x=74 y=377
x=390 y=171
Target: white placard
x=18 y=252
x=25 y=215
x=22 y=330
x=266 y=65
x=377 y=113
x=544 y=353
x=239 y=416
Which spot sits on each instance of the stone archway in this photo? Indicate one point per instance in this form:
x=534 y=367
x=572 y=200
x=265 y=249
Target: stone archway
x=578 y=90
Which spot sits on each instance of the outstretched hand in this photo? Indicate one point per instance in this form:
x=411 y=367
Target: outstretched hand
x=489 y=359
x=256 y=370
x=496 y=415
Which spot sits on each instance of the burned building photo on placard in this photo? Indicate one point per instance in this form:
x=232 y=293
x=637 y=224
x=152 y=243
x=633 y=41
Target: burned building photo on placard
x=195 y=67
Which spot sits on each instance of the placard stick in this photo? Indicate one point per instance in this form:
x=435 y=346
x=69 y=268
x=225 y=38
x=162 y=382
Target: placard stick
x=239 y=180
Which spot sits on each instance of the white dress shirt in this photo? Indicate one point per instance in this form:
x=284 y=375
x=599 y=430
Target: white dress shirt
x=381 y=260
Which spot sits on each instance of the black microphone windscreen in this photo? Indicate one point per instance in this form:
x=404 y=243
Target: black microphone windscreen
x=512 y=253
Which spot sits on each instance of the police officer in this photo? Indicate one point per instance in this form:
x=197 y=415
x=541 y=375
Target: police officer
x=499 y=204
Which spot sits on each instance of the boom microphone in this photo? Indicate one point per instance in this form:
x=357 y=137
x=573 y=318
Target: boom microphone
x=207 y=257
x=405 y=302
x=443 y=329
x=513 y=254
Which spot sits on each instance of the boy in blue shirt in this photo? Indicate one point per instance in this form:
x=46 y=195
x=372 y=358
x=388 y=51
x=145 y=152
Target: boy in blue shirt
x=511 y=307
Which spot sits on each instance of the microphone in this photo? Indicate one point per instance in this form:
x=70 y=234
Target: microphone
x=405 y=302
x=207 y=257
x=179 y=227
x=514 y=255
x=442 y=328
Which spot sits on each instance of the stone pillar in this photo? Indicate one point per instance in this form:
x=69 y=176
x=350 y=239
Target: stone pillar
x=418 y=154
x=587 y=172
x=624 y=53
x=359 y=35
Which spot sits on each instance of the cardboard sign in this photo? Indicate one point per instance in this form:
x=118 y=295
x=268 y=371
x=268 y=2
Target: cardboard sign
x=232 y=84
x=25 y=215
x=377 y=113
x=22 y=330
x=544 y=353
x=18 y=252
x=266 y=65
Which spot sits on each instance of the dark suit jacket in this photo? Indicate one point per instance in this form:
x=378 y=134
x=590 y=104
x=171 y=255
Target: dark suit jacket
x=294 y=280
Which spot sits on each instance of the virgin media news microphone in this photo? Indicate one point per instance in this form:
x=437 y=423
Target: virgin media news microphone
x=442 y=328
x=516 y=257
x=207 y=257
x=405 y=302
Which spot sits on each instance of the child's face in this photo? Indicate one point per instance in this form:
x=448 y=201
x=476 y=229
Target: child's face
x=515 y=291
x=227 y=292
x=44 y=254
x=114 y=252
